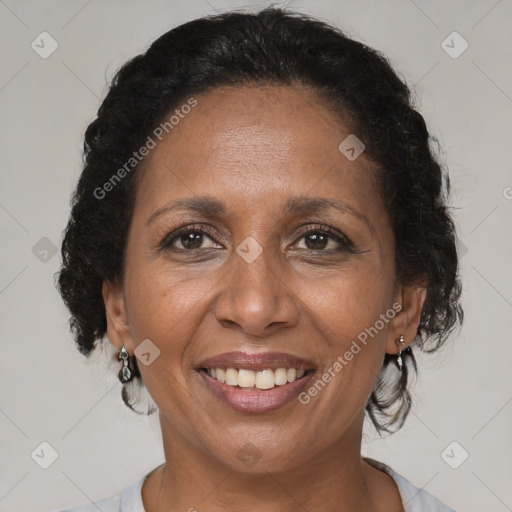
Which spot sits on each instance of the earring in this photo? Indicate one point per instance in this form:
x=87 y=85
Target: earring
x=125 y=374
x=399 y=342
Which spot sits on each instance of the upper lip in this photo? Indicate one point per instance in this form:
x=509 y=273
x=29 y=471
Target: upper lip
x=256 y=361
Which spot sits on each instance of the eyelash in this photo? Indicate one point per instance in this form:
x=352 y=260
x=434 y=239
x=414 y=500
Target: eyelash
x=345 y=243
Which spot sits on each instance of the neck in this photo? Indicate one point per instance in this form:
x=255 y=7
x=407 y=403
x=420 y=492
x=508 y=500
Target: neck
x=191 y=479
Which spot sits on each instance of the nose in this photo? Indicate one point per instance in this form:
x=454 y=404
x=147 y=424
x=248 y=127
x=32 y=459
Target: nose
x=255 y=298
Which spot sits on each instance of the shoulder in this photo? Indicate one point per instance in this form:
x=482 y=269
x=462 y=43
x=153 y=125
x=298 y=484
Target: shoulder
x=414 y=499
x=106 y=505
x=130 y=500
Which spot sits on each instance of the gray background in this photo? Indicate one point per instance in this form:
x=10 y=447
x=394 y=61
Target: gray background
x=49 y=392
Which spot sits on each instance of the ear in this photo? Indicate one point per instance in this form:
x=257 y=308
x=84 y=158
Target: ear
x=118 y=330
x=407 y=320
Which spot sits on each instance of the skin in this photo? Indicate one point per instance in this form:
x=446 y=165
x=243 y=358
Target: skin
x=253 y=148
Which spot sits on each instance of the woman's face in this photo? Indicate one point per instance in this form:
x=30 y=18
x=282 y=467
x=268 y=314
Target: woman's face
x=287 y=261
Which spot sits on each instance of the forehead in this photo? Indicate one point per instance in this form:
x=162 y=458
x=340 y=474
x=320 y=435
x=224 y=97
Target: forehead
x=254 y=144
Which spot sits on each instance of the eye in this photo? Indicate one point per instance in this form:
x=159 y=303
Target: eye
x=325 y=239
x=190 y=238
x=199 y=237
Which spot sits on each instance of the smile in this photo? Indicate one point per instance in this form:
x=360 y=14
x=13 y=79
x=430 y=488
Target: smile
x=262 y=379
x=256 y=383
x=253 y=399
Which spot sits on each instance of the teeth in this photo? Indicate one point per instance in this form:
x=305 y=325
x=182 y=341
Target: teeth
x=246 y=378
x=280 y=377
x=221 y=375
x=231 y=377
x=263 y=379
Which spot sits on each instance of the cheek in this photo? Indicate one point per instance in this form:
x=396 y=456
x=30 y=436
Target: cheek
x=350 y=300
x=161 y=304
x=167 y=311
x=352 y=313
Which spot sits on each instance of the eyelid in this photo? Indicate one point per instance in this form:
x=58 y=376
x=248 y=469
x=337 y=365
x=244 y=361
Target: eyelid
x=340 y=238
x=333 y=233
x=199 y=227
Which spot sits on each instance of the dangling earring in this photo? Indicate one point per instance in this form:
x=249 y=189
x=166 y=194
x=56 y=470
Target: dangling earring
x=125 y=374
x=399 y=342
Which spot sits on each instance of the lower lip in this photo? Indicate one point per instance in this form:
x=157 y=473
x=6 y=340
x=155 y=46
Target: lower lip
x=257 y=400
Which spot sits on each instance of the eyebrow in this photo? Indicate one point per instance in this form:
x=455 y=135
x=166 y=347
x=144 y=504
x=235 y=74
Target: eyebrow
x=294 y=205
x=205 y=205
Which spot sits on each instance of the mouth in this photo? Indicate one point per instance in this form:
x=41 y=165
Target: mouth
x=255 y=383
x=250 y=380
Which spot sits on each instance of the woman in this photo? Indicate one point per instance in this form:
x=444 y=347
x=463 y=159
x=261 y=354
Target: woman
x=260 y=230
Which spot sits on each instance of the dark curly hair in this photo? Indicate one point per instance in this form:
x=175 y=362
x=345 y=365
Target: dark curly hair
x=282 y=48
